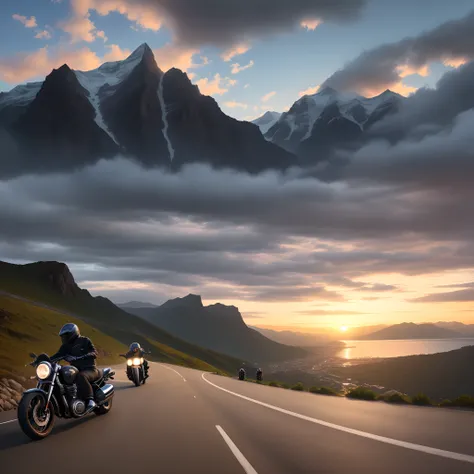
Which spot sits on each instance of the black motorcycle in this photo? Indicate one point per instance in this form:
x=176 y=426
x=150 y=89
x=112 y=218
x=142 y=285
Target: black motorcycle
x=241 y=374
x=135 y=370
x=56 y=395
x=259 y=375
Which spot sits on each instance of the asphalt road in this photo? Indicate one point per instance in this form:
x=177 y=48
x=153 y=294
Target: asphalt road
x=182 y=421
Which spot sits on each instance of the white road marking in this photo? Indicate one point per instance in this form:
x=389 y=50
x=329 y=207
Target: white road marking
x=382 y=439
x=236 y=452
x=169 y=368
x=5 y=422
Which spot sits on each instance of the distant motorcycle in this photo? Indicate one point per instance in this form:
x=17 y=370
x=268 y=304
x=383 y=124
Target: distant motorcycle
x=259 y=375
x=56 y=395
x=241 y=374
x=135 y=369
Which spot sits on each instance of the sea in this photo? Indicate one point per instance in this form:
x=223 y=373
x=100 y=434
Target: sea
x=398 y=348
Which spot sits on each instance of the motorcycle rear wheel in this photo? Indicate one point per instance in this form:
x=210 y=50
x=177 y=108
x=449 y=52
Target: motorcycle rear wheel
x=104 y=409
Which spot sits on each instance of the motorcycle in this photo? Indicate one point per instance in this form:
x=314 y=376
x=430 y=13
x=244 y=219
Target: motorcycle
x=135 y=370
x=55 y=395
x=241 y=374
x=259 y=376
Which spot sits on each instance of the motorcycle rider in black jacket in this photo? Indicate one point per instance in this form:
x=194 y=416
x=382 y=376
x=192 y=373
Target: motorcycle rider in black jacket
x=135 y=350
x=80 y=353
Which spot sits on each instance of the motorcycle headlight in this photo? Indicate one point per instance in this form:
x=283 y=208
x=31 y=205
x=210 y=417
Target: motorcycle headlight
x=136 y=361
x=142 y=360
x=43 y=371
x=129 y=361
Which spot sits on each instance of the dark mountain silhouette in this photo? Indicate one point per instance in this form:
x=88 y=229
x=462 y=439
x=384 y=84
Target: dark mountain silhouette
x=412 y=331
x=52 y=285
x=217 y=327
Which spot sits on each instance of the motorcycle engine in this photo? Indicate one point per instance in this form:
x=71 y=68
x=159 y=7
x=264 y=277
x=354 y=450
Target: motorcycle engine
x=78 y=407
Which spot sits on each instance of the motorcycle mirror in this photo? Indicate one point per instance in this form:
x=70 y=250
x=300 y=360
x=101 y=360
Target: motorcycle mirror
x=33 y=355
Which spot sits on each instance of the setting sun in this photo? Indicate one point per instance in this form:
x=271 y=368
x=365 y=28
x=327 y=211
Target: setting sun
x=343 y=328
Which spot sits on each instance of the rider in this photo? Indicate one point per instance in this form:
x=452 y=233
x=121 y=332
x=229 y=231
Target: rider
x=81 y=353
x=135 y=350
x=242 y=372
x=259 y=373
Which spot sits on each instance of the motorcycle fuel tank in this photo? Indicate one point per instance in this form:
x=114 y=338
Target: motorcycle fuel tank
x=68 y=374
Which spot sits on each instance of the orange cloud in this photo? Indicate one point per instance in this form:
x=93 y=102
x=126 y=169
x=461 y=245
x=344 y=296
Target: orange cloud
x=397 y=87
x=268 y=96
x=310 y=25
x=233 y=105
x=80 y=28
x=116 y=53
x=309 y=91
x=455 y=62
x=214 y=86
x=236 y=50
x=236 y=67
x=175 y=56
x=405 y=70
x=27 y=22
x=43 y=34
x=36 y=65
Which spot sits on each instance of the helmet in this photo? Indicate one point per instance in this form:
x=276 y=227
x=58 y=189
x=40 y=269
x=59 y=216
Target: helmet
x=68 y=333
x=134 y=347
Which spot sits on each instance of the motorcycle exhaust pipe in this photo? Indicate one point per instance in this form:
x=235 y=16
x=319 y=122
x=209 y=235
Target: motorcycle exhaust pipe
x=104 y=394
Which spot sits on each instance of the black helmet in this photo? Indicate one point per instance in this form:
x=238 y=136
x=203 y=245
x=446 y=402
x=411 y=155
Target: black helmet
x=134 y=347
x=69 y=332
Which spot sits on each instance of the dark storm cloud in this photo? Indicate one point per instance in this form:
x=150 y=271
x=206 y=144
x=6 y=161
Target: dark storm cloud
x=297 y=294
x=377 y=68
x=430 y=111
x=449 y=297
x=226 y=22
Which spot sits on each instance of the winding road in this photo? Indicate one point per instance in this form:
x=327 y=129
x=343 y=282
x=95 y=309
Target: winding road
x=184 y=421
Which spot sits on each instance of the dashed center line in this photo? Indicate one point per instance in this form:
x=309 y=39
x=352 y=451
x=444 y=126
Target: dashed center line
x=236 y=452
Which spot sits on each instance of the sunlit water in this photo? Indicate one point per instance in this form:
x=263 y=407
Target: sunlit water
x=397 y=348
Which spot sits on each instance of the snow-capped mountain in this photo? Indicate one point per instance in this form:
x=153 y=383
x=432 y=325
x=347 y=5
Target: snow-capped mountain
x=329 y=118
x=266 y=121
x=130 y=107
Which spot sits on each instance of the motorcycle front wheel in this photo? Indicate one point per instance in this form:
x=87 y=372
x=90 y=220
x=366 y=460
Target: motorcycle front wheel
x=136 y=377
x=35 y=419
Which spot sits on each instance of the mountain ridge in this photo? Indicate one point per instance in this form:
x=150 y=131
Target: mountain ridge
x=52 y=285
x=218 y=327
x=412 y=331
x=129 y=107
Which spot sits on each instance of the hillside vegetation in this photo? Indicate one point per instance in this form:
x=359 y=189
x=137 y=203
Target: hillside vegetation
x=26 y=328
x=50 y=285
x=443 y=375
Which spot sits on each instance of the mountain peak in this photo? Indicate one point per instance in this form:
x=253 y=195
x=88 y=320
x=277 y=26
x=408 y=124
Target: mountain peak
x=327 y=91
x=189 y=301
x=142 y=50
x=56 y=274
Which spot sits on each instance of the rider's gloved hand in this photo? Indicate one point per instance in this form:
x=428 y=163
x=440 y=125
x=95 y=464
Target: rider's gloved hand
x=70 y=358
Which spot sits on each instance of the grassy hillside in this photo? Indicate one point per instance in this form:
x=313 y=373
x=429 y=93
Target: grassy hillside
x=25 y=328
x=50 y=284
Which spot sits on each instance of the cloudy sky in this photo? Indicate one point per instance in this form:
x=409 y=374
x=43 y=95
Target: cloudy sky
x=388 y=238
x=251 y=56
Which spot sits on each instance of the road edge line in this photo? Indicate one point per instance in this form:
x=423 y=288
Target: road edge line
x=395 y=442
